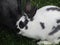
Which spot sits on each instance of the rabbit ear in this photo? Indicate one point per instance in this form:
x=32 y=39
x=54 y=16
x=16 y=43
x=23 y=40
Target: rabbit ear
x=28 y=6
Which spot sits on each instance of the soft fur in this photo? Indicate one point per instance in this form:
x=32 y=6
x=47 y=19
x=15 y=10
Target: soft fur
x=35 y=31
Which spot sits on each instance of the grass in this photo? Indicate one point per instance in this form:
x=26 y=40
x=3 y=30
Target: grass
x=7 y=38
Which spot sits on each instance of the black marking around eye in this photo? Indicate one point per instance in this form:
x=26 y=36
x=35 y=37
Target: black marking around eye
x=55 y=30
x=58 y=21
x=23 y=24
x=53 y=8
x=42 y=25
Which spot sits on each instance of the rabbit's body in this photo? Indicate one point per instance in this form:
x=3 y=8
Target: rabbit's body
x=44 y=25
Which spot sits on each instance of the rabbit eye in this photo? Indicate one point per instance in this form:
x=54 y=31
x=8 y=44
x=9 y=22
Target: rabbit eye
x=21 y=24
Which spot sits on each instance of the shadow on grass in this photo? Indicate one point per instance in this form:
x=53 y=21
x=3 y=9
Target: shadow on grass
x=6 y=38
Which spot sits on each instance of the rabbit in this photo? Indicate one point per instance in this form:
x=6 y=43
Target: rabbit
x=45 y=25
x=11 y=11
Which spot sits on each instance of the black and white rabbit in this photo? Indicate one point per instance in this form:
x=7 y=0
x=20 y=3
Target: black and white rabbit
x=45 y=25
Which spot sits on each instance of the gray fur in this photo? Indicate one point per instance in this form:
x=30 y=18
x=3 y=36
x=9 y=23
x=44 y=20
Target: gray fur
x=56 y=29
x=53 y=8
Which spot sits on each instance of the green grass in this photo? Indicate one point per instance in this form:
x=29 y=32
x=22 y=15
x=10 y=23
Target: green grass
x=40 y=3
x=7 y=38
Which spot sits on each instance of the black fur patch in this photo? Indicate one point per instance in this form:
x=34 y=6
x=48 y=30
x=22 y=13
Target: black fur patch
x=58 y=37
x=53 y=8
x=58 y=21
x=23 y=24
x=56 y=29
x=42 y=25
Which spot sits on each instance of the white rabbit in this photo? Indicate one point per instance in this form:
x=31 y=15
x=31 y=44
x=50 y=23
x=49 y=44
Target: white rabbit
x=45 y=25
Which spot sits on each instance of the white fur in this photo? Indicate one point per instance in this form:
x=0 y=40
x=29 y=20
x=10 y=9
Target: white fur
x=35 y=30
